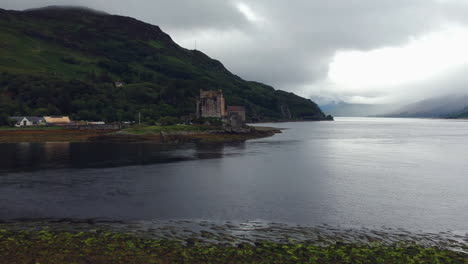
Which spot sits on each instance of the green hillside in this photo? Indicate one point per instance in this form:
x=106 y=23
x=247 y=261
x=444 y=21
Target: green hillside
x=66 y=60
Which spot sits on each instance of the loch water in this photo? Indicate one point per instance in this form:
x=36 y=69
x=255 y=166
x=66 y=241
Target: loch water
x=364 y=172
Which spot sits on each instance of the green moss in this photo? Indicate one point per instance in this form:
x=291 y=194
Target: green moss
x=100 y=247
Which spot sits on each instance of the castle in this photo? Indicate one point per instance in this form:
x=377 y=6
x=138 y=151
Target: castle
x=213 y=104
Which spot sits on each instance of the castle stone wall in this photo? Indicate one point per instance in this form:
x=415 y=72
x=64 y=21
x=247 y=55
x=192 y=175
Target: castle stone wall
x=211 y=104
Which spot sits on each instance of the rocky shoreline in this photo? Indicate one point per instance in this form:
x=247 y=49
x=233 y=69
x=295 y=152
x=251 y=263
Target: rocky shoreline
x=189 y=136
x=179 y=241
x=250 y=232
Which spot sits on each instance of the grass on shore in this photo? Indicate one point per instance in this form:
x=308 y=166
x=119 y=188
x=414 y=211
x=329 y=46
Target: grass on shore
x=100 y=247
x=10 y=128
x=175 y=128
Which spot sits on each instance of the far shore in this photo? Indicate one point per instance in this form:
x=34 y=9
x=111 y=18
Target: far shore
x=159 y=134
x=293 y=121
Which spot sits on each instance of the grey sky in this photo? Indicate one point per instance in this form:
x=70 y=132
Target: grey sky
x=291 y=44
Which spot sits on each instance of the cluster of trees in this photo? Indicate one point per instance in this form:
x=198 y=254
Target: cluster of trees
x=5 y=121
x=43 y=95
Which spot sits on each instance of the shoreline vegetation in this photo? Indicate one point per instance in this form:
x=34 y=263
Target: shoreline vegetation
x=159 y=134
x=100 y=246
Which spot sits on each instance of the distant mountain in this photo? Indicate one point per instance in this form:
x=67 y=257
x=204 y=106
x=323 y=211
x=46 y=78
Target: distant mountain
x=72 y=61
x=451 y=106
x=355 y=110
x=459 y=114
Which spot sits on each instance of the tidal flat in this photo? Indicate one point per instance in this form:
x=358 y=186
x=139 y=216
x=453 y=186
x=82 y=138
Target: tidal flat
x=103 y=241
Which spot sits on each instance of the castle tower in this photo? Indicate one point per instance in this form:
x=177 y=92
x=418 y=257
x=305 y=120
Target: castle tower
x=211 y=104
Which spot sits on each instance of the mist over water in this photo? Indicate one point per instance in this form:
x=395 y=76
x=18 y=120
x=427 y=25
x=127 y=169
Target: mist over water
x=364 y=172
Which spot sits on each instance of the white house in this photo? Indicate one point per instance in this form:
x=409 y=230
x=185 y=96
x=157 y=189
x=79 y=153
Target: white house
x=22 y=121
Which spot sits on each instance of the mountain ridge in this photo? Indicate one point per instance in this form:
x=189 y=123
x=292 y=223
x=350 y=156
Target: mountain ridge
x=65 y=8
x=343 y=109
x=448 y=106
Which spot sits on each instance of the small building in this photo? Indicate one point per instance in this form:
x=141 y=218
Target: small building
x=238 y=111
x=96 y=123
x=211 y=104
x=119 y=84
x=57 y=120
x=236 y=117
x=23 y=121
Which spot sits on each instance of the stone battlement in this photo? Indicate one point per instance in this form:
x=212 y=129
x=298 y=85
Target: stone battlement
x=208 y=94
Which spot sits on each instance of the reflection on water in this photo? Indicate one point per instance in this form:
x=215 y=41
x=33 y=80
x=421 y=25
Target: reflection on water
x=55 y=155
x=33 y=156
x=397 y=173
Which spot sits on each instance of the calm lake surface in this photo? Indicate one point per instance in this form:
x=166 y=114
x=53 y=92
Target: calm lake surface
x=364 y=172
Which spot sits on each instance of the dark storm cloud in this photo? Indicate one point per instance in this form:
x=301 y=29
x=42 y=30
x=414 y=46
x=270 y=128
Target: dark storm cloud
x=288 y=44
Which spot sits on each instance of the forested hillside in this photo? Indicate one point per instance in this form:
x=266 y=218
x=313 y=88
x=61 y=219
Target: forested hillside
x=60 y=60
